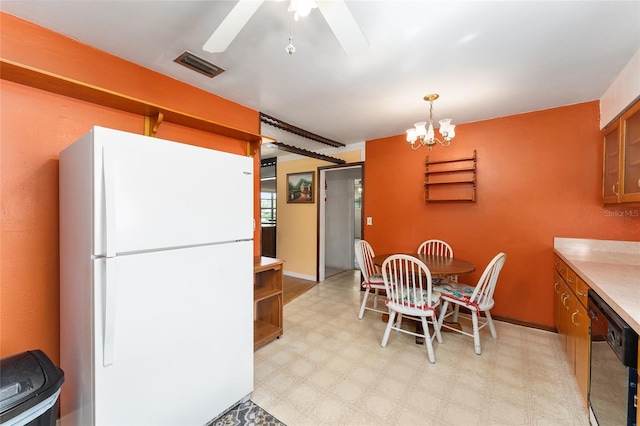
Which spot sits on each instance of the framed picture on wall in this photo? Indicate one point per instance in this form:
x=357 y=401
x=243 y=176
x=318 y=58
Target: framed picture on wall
x=300 y=187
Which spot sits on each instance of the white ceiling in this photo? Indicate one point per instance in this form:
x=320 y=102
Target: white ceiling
x=485 y=58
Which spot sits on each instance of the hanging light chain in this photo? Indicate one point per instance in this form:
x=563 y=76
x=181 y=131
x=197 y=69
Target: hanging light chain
x=290 y=49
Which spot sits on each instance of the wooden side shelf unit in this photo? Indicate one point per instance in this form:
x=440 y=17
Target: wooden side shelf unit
x=451 y=180
x=267 y=300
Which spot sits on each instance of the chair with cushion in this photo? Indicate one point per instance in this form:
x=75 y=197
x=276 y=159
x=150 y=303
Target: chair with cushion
x=372 y=279
x=407 y=282
x=436 y=247
x=476 y=299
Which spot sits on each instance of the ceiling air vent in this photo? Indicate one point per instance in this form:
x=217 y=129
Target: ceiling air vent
x=190 y=60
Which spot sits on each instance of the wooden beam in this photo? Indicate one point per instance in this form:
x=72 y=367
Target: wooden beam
x=271 y=121
x=55 y=83
x=307 y=153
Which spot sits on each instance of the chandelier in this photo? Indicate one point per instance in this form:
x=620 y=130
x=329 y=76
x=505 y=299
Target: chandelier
x=425 y=136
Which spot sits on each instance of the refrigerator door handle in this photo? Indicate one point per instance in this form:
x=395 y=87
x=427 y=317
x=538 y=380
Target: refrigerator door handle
x=109 y=203
x=109 y=316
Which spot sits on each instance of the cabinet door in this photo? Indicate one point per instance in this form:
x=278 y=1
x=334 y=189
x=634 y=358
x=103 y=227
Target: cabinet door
x=570 y=303
x=611 y=164
x=565 y=302
x=581 y=323
x=630 y=191
x=557 y=306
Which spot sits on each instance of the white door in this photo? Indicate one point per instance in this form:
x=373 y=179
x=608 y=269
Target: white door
x=151 y=193
x=179 y=329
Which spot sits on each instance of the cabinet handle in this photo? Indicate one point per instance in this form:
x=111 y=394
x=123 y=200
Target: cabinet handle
x=556 y=285
x=614 y=188
x=573 y=317
x=581 y=293
x=565 y=296
x=571 y=280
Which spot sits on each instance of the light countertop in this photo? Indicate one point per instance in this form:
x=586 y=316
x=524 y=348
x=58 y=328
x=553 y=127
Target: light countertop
x=611 y=268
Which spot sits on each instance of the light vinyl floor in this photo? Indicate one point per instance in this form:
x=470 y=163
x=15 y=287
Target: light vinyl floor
x=329 y=369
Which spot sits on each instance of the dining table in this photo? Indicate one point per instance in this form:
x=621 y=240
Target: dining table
x=439 y=267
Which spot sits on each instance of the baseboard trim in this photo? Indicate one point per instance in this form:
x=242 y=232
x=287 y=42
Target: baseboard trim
x=525 y=323
x=514 y=321
x=301 y=276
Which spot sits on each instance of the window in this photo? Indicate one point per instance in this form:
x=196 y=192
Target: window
x=268 y=208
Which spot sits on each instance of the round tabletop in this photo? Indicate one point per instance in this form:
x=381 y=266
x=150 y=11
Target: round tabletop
x=438 y=265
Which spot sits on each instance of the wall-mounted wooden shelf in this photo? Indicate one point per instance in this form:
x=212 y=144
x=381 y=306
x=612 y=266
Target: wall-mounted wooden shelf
x=451 y=180
x=154 y=114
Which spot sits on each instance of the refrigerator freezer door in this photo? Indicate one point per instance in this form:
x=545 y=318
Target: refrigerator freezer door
x=154 y=194
x=182 y=335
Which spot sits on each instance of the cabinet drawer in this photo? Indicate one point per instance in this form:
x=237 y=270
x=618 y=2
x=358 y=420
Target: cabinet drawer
x=582 y=291
x=571 y=278
x=560 y=266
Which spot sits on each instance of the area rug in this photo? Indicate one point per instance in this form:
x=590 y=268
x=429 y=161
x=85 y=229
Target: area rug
x=246 y=414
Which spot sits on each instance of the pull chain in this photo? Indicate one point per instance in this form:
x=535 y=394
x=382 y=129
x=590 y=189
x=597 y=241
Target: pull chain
x=290 y=49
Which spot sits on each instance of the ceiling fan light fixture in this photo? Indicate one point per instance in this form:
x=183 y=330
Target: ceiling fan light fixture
x=301 y=8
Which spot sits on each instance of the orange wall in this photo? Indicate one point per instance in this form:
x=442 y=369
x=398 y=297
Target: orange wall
x=35 y=126
x=539 y=177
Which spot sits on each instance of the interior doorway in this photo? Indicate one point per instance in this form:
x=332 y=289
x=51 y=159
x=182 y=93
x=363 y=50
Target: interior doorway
x=268 y=186
x=339 y=218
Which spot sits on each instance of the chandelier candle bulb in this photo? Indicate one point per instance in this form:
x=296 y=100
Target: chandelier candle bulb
x=452 y=132
x=411 y=135
x=445 y=123
x=430 y=132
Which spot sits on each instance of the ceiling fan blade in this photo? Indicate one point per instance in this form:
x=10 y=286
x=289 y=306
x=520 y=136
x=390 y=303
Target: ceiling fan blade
x=231 y=25
x=343 y=25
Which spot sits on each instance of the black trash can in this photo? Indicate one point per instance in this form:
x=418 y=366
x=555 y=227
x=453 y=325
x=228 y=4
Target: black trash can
x=29 y=389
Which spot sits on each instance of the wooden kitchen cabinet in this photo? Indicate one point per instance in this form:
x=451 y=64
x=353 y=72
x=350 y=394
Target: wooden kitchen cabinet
x=267 y=300
x=559 y=307
x=621 y=159
x=631 y=155
x=611 y=164
x=573 y=322
x=581 y=323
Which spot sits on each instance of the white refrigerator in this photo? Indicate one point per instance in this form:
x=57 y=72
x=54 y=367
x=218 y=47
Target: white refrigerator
x=156 y=281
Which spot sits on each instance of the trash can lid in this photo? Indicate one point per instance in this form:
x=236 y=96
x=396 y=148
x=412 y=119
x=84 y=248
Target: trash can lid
x=27 y=379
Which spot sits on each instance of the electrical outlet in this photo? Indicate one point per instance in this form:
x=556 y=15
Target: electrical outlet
x=369 y=221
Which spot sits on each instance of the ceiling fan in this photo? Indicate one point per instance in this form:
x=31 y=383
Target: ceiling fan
x=335 y=12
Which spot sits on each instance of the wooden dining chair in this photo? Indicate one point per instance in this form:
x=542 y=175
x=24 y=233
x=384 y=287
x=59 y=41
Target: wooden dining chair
x=407 y=282
x=478 y=300
x=371 y=277
x=436 y=247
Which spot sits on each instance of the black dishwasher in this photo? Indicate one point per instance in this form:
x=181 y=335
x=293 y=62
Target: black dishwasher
x=614 y=358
